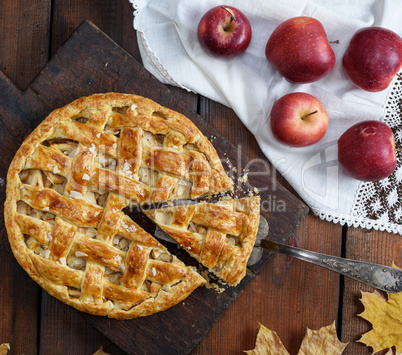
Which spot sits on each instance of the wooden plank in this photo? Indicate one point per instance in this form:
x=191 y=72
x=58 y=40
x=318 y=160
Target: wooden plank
x=19 y=304
x=63 y=330
x=360 y=245
x=114 y=17
x=277 y=296
x=225 y=121
x=24 y=39
x=19 y=295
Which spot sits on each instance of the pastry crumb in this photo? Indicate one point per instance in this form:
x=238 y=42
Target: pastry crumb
x=244 y=178
x=206 y=275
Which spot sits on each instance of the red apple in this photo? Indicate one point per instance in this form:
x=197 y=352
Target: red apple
x=298 y=119
x=373 y=58
x=224 y=31
x=299 y=49
x=366 y=151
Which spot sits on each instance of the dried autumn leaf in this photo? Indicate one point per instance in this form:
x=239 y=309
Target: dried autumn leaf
x=100 y=352
x=321 y=342
x=385 y=315
x=267 y=343
x=4 y=348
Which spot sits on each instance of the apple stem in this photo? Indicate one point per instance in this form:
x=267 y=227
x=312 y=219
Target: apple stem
x=337 y=41
x=232 y=17
x=309 y=114
x=400 y=77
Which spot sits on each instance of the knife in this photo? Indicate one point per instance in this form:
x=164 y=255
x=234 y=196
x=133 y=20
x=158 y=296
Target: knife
x=382 y=277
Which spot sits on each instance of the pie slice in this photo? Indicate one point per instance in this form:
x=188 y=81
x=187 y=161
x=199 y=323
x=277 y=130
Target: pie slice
x=68 y=184
x=220 y=236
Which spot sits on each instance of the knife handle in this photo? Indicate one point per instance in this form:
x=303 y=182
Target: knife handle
x=382 y=277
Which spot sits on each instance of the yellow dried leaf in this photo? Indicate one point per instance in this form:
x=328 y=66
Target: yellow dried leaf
x=4 y=348
x=318 y=342
x=267 y=343
x=100 y=352
x=323 y=341
x=385 y=315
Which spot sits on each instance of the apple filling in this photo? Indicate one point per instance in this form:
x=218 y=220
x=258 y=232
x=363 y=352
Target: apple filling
x=196 y=228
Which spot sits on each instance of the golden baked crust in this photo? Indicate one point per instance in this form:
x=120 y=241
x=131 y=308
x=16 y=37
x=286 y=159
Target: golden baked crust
x=67 y=186
x=220 y=236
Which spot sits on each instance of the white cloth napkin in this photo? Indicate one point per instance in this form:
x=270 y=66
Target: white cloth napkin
x=167 y=36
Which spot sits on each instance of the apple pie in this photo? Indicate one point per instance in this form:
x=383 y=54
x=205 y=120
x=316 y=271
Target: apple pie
x=220 y=236
x=67 y=187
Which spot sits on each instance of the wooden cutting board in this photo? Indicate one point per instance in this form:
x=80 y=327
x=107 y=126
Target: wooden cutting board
x=90 y=62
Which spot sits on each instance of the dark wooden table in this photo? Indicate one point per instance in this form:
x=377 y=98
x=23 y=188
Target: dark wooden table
x=287 y=296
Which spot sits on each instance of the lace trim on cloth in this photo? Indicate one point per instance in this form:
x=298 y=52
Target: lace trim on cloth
x=153 y=59
x=358 y=221
x=378 y=204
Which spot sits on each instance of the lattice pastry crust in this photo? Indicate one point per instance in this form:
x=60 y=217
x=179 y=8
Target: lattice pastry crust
x=220 y=236
x=68 y=184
